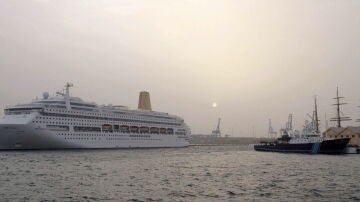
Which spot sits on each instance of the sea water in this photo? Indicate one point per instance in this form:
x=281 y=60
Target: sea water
x=199 y=173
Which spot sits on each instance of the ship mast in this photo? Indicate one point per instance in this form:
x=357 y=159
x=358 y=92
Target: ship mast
x=289 y=124
x=316 y=118
x=326 y=122
x=67 y=95
x=271 y=130
x=338 y=117
x=358 y=120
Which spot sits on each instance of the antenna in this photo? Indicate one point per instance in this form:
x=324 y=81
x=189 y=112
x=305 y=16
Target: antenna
x=338 y=117
x=326 y=122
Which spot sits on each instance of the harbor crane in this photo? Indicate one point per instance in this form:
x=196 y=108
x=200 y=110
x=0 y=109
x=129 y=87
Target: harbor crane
x=217 y=132
x=271 y=132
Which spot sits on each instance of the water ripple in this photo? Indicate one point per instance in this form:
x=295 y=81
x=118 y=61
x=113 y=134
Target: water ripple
x=190 y=174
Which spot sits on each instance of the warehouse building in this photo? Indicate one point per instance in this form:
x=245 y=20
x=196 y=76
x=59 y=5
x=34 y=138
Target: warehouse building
x=348 y=132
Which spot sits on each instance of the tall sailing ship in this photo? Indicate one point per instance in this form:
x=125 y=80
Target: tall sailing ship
x=65 y=122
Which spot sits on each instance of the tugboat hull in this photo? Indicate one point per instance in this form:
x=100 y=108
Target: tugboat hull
x=335 y=146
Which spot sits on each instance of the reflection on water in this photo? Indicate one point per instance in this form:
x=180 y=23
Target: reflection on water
x=190 y=174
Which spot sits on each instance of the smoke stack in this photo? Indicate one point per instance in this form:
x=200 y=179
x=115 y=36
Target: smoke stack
x=144 y=101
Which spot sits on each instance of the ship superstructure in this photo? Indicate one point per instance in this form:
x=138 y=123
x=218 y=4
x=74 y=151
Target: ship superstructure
x=62 y=121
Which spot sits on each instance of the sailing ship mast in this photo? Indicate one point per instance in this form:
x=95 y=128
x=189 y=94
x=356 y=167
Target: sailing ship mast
x=338 y=117
x=316 y=118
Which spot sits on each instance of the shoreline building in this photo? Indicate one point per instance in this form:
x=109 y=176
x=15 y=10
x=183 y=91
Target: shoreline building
x=348 y=132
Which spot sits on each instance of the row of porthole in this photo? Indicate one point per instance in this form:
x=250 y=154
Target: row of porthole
x=79 y=138
x=92 y=135
x=82 y=120
x=109 y=115
x=70 y=119
x=81 y=124
x=158 y=116
x=99 y=135
x=342 y=136
x=144 y=121
x=128 y=139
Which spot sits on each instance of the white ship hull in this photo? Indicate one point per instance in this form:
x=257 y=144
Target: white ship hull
x=31 y=137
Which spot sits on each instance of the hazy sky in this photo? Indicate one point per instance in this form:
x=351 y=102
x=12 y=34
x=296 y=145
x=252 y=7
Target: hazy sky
x=257 y=59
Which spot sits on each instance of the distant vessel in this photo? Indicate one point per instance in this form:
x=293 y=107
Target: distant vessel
x=309 y=141
x=65 y=122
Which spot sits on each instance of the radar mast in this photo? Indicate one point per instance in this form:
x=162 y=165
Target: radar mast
x=67 y=95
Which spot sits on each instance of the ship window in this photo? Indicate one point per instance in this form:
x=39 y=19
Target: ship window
x=57 y=128
x=170 y=131
x=107 y=128
x=86 y=129
x=144 y=130
x=162 y=130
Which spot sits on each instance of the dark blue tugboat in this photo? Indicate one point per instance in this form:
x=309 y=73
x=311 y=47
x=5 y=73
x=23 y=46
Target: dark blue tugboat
x=304 y=145
x=309 y=141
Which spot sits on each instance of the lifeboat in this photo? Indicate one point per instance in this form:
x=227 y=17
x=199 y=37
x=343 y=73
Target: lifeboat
x=107 y=128
x=144 y=129
x=163 y=130
x=170 y=131
x=154 y=130
x=134 y=129
x=124 y=128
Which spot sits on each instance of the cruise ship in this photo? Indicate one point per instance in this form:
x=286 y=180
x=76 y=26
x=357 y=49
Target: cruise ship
x=61 y=121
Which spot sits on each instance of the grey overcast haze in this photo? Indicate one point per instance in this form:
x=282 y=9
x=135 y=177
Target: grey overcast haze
x=257 y=59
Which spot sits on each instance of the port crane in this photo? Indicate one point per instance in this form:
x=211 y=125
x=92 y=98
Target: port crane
x=271 y=132
x=217 y=131
x=288 y=126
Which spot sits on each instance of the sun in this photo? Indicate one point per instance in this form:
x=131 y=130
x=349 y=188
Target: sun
x=214 y=104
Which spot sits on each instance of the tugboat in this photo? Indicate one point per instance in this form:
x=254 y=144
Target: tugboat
x=309 y=141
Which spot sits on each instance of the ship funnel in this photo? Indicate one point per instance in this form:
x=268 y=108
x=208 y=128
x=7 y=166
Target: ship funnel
x=144 y=101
